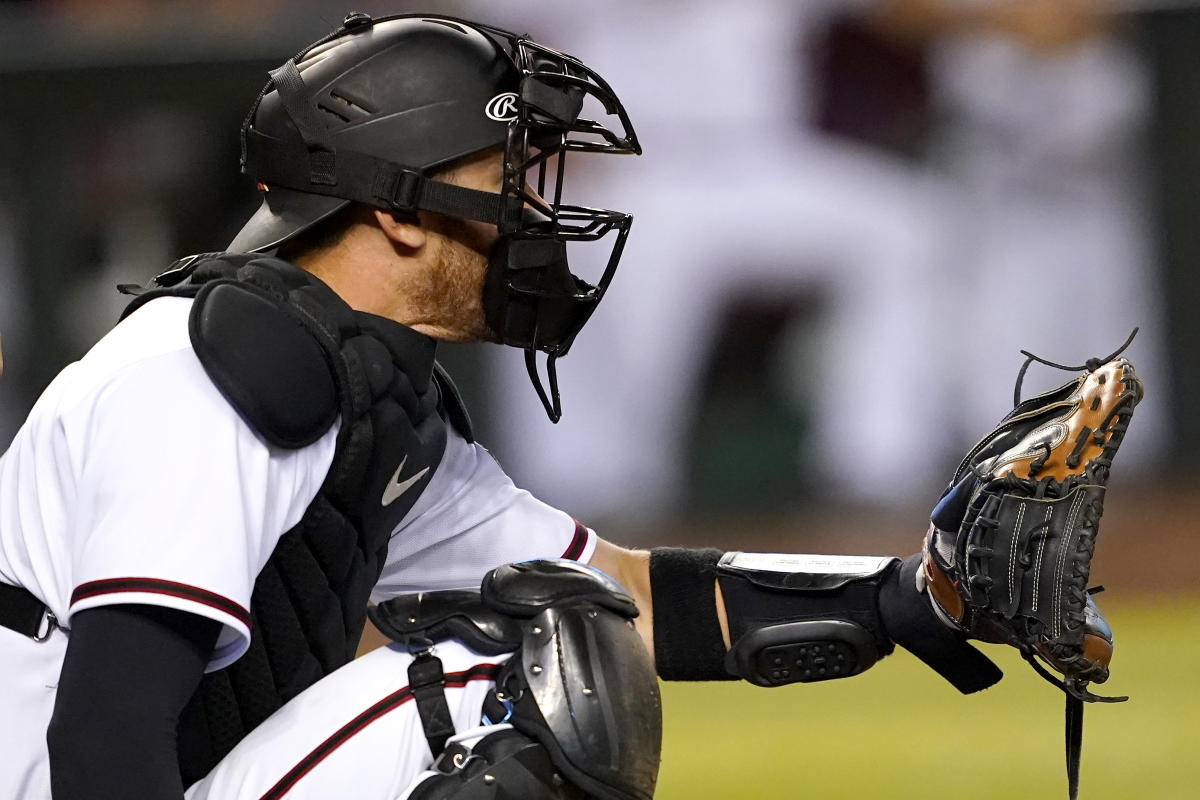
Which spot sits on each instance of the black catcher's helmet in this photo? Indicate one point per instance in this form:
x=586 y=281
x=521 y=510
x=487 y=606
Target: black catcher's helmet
x=371 y=111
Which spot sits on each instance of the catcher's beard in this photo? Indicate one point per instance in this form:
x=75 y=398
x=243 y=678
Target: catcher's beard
x=452 y=296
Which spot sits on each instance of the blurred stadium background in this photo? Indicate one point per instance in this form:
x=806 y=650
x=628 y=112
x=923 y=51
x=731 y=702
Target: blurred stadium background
x=851 y=215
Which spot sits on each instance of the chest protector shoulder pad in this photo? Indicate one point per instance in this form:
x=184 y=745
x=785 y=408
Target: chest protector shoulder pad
x=266 y=361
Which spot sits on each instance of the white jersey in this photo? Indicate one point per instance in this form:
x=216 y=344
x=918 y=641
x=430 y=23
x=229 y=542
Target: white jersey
x=134 y=481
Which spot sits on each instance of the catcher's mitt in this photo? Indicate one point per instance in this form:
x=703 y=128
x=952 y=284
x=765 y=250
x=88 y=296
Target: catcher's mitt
x=1009 y=550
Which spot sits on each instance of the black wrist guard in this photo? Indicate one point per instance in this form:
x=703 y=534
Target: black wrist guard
x=912 y=623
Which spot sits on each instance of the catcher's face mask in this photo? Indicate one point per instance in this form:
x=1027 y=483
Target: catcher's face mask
x=532 y=297
x=371 y=111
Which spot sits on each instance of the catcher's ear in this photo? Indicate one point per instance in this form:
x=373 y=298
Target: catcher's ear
x=403 y=229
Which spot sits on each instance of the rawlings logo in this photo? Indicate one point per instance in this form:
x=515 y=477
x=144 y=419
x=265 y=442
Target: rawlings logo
x=502 y=107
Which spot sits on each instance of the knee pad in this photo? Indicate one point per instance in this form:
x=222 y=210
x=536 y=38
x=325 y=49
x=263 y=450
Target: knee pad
x=580 y=682
x=583 y=684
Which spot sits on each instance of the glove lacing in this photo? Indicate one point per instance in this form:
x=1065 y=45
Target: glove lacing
x=1091 y=365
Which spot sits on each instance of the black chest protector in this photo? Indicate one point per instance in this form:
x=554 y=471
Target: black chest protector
x=292 y=358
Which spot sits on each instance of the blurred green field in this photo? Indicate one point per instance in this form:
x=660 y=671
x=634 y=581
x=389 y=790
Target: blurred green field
x=899 y=731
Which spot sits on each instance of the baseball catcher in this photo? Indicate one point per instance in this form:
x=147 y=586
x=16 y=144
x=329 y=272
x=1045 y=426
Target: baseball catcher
x=196 y=517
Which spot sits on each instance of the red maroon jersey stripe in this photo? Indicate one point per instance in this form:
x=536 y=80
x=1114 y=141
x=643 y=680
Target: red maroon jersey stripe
x=575 y=549
x=454 y=680
x=156 y=586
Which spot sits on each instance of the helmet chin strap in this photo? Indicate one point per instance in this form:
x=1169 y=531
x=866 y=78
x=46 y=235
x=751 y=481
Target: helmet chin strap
x=552 y=403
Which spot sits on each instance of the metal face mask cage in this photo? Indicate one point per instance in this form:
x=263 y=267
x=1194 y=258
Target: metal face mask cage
x=533 y=299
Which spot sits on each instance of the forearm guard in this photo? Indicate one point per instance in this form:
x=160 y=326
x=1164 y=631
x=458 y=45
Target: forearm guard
x=798 y=618
x=802 y=618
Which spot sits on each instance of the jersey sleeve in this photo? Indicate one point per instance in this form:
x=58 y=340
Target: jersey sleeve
x=178 y=502
x=470 y=519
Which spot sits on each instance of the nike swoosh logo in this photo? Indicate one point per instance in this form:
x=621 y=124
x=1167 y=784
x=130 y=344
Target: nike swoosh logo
x=397 y=487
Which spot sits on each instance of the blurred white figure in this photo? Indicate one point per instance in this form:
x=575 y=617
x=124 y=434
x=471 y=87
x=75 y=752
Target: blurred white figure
x=733 y=195
x=1051 y=231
